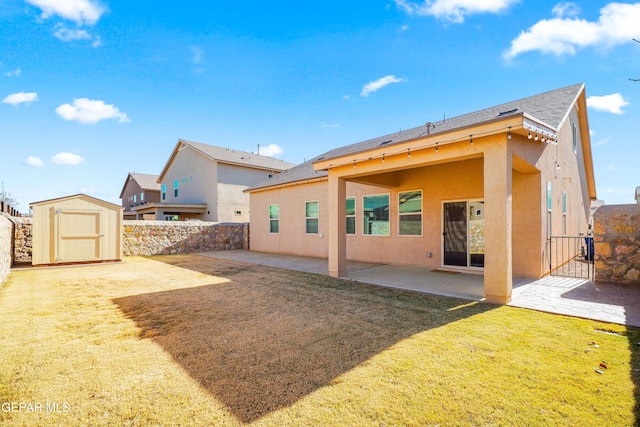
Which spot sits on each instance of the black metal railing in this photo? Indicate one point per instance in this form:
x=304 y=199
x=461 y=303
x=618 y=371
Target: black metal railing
x=570 y=256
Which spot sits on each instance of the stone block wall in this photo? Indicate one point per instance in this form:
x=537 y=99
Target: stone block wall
x=5 y=247
x=22 y=246
x=616 y=237
x=173 y=237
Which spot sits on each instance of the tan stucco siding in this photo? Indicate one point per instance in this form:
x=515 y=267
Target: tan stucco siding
x=232 y=181
x=456 y=181
x=196 y=176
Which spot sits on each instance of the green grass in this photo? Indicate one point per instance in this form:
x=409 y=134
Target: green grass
x=198 y=341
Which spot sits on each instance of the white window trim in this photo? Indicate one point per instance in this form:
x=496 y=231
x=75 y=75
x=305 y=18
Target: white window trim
x=412 y=213
x=354 y=216
x=273 y=219
x=363 y=219
x=311 y=217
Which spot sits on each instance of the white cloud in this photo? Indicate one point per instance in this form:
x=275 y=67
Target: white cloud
x=453 y=10
x=20 y=98
x=197 y=55
x=67 y=159
x=563 y=34
x=34 y=161
x=379 y=84
x=271 y=150
x=82 y=12
x=609 y=103
x=14 y=73
x=67 y=35
x=86 y=110
x=330 y=125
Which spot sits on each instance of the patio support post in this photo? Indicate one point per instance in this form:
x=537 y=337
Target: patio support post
x=337 y=226
x=498 y=181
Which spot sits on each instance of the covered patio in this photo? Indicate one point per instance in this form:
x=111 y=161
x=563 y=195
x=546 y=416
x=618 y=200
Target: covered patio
x=566 y=296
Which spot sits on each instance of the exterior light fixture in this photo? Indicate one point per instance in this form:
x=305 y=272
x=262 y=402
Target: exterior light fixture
x=529 y=137
x=509 y=133
x=382 y=157
x=408 y=152
x=436 y=147
x=470 y=139
x=536 y=137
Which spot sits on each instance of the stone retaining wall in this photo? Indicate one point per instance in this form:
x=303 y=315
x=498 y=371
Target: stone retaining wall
x=5 y=247
x=616 y=237
x=22 y=246
x=173 y=237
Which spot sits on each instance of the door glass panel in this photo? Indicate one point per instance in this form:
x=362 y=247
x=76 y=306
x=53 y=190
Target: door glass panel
x=455 y=234
x=476 y=234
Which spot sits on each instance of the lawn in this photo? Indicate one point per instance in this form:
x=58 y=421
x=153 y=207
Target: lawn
x=188 y=340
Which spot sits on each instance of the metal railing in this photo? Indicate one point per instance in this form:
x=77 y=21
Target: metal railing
x=570 y=256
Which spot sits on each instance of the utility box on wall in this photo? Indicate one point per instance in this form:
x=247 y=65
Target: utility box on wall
x=76 y=229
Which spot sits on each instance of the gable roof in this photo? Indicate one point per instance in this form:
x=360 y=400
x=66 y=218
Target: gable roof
x=144 y=180
x=228 y=156
x=549 y=108
x=78 y=196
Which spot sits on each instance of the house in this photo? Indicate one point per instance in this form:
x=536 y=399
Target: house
x=139 y=189
x=205 y=182
x=637 y=194
x=481 y=193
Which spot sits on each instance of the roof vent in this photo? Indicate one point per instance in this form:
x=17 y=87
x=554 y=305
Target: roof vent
x=506 y=113
x=386 y=142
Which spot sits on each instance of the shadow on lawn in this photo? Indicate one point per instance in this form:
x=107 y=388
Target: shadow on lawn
x=269 y=337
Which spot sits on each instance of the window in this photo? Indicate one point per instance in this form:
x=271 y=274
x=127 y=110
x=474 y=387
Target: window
x=164 y=191
x=175 y=188
x=549 y=205
x=274 y=218
x=238 y=213
x=142 y=197
x=564 y=213
x=410 y=212
x=311 y=216
x=351 y=215
x=135 y=199
x=376 y=215
x=575 y=138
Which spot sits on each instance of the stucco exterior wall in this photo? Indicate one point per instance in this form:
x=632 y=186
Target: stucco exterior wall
x=232 y=181
x=5 y=247
x=616 y=235
x=172 y=237
x=196 y=176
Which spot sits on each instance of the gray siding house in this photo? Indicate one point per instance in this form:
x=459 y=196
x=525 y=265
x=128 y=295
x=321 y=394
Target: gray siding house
x=139 y=189
x=206 y=182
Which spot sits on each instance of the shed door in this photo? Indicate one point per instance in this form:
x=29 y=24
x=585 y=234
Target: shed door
x=79 y=236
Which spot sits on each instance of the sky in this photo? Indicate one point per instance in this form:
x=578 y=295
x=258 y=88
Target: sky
x=91 y=90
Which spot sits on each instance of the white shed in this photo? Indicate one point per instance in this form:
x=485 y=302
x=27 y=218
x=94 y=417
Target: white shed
x=75 y=229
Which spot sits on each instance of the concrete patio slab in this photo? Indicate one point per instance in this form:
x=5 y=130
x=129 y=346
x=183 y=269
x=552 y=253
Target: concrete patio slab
x=603 y=302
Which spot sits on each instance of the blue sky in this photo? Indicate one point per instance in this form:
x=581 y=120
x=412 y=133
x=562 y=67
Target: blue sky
x=91 y=90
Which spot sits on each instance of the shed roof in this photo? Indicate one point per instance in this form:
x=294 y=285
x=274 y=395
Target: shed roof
x=77 y=196
x=550 y=107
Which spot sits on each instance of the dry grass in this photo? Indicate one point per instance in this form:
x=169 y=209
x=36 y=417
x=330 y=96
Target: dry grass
x=200 y=341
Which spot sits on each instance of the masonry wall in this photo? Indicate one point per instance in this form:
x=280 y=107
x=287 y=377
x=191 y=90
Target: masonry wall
x=173 y=237
x=5 y=247
x=616 y=235
x=22 y=246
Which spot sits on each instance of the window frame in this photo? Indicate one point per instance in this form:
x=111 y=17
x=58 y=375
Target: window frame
x=163 y=191
x=311 y=218
x=420 y=213
x=549 y=208
x=349 y=216
x=364 y=220
x=175 y=187
x=274 y=220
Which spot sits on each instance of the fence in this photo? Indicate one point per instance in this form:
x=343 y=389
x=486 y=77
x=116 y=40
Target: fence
x=570 y=256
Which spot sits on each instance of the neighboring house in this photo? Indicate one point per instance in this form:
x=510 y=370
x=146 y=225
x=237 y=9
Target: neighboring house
x=139 y=189
x=480 y=192
x=637 y=194
x=206 y=182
